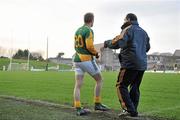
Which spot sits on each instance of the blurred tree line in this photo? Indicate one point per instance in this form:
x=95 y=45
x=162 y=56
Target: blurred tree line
x=23 y=54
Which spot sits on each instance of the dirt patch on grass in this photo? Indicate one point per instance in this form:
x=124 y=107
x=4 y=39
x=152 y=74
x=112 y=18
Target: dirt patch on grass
x=37 y=110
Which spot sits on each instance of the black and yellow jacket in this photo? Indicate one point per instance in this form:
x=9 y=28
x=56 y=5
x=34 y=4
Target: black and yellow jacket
x=134 y=44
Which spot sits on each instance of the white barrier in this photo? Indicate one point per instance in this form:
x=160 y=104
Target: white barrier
x=167 y=71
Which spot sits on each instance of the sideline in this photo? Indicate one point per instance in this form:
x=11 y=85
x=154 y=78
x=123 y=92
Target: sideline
x=167 y=71
x=109 y=115
x=35 y=102
x=163 y=109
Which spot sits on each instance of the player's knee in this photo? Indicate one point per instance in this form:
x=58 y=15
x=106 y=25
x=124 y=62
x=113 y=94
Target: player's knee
x=98 y=79
x=78 y=85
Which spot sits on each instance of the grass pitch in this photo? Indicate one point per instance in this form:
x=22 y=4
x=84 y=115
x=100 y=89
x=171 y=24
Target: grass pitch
x=160 y=93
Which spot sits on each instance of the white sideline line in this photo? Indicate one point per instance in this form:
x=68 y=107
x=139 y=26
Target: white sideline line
x=167 y=71
x=39 y=102
x=164 y=109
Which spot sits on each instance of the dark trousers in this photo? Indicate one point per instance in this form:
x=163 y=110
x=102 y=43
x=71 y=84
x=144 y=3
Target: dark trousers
x=129 y=99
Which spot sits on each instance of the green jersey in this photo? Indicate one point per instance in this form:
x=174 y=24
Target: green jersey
x=83 y=44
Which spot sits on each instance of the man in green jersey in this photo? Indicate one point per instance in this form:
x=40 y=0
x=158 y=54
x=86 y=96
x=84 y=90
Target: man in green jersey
x=84 y=61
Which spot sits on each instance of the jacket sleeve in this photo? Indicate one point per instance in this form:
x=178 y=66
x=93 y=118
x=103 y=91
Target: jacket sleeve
x=89 y=44
x=147 y=44
x=119 y=41
x=111 y=45
x=119 y=37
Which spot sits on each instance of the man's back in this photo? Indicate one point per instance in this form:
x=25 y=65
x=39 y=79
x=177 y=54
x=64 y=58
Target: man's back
x=133 y=54
x=84 y=44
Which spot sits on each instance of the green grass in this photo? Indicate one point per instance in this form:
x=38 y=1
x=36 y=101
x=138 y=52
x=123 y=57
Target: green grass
x=160 y=93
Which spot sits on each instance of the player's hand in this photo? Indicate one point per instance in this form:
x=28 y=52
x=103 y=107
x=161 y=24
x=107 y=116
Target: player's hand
x=97 y=56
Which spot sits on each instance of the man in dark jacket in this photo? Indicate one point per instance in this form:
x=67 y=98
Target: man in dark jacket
x=134 y=43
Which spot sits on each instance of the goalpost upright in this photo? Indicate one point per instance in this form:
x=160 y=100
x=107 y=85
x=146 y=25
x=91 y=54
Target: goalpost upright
x=28 y=57
x=11 y=52
x=47 y=55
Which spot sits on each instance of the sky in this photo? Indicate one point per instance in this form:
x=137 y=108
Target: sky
x=26 y=24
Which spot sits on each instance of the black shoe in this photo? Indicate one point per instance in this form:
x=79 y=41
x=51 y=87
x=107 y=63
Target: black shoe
x=82 y=111
x=101 y=107
x=125 y=113
x=134 y=114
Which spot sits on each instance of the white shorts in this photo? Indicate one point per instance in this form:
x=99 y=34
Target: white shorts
x=87 y=66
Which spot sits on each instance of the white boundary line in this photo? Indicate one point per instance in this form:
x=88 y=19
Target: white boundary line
x=167 y=71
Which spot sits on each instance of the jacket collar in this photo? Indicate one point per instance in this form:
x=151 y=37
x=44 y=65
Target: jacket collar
x=134 y=22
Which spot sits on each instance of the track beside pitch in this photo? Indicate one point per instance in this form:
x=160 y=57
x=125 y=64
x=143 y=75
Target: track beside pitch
x=13 y=108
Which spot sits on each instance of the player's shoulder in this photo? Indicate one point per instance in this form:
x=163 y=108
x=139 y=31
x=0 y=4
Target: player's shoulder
x=87 y=29
x=84 y=28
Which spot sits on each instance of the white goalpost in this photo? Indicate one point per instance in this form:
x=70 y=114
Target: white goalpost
x=18 y=67
x=13 y=66
x=11 y=53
